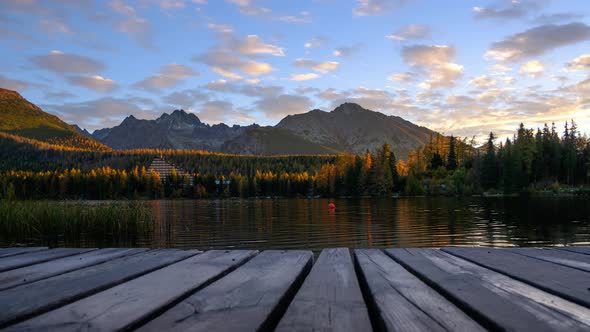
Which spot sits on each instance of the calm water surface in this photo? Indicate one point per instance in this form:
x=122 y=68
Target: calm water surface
x=401 y=222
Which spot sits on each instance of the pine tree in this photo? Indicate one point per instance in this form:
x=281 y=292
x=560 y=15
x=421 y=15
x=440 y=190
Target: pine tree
x=452 y=156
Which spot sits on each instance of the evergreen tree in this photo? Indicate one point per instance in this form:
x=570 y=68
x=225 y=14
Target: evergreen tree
x=452 y=156
x=489 y=173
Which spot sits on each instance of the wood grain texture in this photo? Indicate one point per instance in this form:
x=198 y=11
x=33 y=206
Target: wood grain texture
x=401 y=302
x=330 y=298
x=497 y=301
x=561 y=257
x=248 y=299
x=128 y=304
x=32 y=273
x=15 y=262
x=563 y=281
x=5 y=252
x=19 y=303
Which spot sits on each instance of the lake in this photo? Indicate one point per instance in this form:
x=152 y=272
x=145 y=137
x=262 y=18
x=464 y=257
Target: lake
x=360 y=223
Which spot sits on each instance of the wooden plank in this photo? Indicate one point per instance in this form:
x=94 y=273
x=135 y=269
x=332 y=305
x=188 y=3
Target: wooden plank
x=577 y=249
x=495 y=300
x=561 y=257
x=15 y=262
x=22 y=302
x=330 y=298
x=563 y=281
x=32 y=273
x=5 y=252
x=401 y=302
x=248 y=299
x=131 y=303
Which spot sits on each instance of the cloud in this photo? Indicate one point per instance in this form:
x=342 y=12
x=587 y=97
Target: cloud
x=406 y=77
x=215 y=111
x=436 y=61
x=411 y=32
x=253 y=45
x=253 y=68
x=303 y=17
x=315 y=42
x=247 y=7
x=580 y=63
x=533 y=68
x=170 y=75
x=321 y=67
x=221 y=28
x=483 y=81
x=515 y=10
x=227 y=74
x=304 y=77
x=244 y=89
x=185 y=99
x=373 y=99
x=235 y=54
x=537 y=41
x=98 y=113
x=95 y=83
x=427 y=55
x=283 y=105
x=557 y=18
x=12 y=84
x=134 y=26
x=61 y=63
x=347 y=51
x=376 y=7
x=331 y=94
x=444 y=75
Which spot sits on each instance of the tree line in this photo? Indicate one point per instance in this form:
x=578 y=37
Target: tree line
x=532 y=160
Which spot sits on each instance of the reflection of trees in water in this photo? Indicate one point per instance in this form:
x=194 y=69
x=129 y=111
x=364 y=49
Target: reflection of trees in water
x=378 y=223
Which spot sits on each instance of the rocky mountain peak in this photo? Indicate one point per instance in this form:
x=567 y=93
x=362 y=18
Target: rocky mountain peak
x=348 y=108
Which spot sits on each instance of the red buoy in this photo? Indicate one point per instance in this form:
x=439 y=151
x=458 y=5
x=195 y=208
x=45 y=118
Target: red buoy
x=331 y=206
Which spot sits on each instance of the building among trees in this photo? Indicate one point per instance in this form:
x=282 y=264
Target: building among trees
x=168 y=171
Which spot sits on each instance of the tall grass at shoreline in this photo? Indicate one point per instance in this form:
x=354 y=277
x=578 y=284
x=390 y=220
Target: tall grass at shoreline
x=72 y=223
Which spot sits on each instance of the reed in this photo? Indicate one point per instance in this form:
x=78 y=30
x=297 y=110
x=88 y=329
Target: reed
x=73 y=223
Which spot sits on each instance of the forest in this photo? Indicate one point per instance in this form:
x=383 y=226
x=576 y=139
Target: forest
x=532 y=161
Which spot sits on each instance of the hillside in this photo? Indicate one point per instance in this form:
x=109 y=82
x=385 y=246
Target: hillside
x=354 y=129
x=274 y=141
x=20 y=117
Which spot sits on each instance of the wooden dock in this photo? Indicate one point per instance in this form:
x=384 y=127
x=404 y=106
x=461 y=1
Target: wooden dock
x=448 y=289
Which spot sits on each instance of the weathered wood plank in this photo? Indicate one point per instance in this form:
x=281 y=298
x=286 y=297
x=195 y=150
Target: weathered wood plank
x=130 y=303
x=497 y=301
x=247 y=299
x=32 y=273
x=579 y=250
x=5 y=252
x=563 y=281
x=401 y=302
x=330 y=298
x=15 y=262
x=22 y=302
x=561 y=257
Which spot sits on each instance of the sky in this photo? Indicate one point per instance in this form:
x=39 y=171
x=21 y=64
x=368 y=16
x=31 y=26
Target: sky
x=459 y=67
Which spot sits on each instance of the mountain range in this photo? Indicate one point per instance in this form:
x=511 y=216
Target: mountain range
x=348 y=128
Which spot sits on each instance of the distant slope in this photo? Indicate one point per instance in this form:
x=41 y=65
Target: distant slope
x=274 y=141
x=20 y=117
x=354 y=129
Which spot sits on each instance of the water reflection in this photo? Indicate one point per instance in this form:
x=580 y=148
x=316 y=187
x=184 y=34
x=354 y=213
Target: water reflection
x=401 y=222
